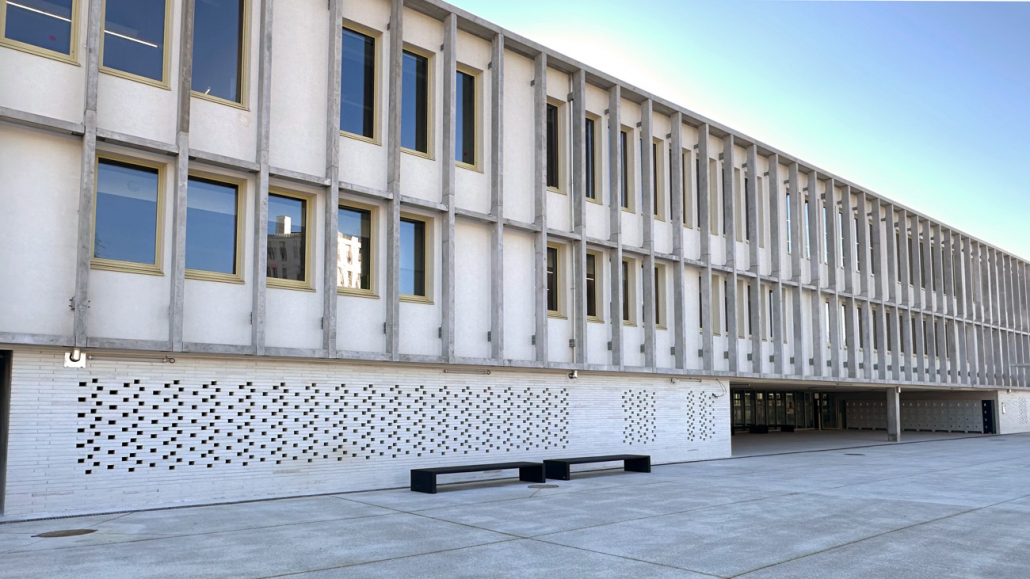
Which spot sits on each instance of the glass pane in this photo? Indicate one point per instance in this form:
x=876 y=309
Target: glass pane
x=590 y=168
x=552 y=279
x=126 y=213
x=591 y=285
x=552 y=146
x=134 y=37
x=624 y=158
x=217 y=43
x=354 y=258
x=760 y=408
x=413 y=258
x=465 y=131
x=43 y=23
x=625 y=291
x=357 y=84
x=749 y=406
x=415 y=103
x=287 y=242
x=211 y=226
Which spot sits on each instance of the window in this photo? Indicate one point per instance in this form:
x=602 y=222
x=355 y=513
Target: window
x=861 y=328
x=134 y=39
x=45 y=27
x=127 y=223
x=593 y=290
x=789 y=234
x=219 y=50
x=656 y=181
x=659 y=290
x=358 y=85
x=700 y=304
x=591 y=161
x=718 y=311
x=213 y=230
x=890 y=335
x=413 y=259
x=553 y=282
x=289 y=256
x=466 y=129
x=808 y=230
x=747 y=210
x=624 y=160
x=840 y=239
x=768 y=316
x=415 y=103
x=841 y=327
x=858 y=250
x=717 y=224
x=354 y=250
x=746 y=310
x=688 y=193
x=553 y=147
x=876 y=327
x=627 y=298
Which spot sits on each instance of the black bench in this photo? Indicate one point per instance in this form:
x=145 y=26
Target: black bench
x=423 y=480
x=559 y=468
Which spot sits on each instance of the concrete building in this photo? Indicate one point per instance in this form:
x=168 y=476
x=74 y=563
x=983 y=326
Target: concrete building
x=544 y=261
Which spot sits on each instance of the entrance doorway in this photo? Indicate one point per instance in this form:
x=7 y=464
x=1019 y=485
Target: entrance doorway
x=988 y=411
x=759 y=410
x=5 y=419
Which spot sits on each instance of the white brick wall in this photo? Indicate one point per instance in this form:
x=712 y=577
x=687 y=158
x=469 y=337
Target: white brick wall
x=1016 y=417
x=126 y=435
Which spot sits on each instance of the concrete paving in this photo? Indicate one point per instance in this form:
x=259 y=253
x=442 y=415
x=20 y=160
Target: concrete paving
x=955 y=507
x=775 y=442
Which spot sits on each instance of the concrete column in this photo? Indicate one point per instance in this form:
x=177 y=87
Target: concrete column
x=916 y=255
x=876 y=247
x=393 y=180
x=938 y=269
x=930 y=332
x=676 y=199
x=819 y=337
x=815 y=227
x=703 y=197
x=905 y=323
x=948 y=268
x=834 y=273
x=776 y=235
x=447 y=159
x=579 y=194
x=797 y=220
x=962 y=349
x=880 y=317
x=800 y=359
x=945 y=354
x=894 y=414
x=87 y=174
x=865 y=339
x=851 y=337
x=615 y=222
x=889 y=232
x=961 y=275
x=182 y=172
x=729 y=202
x=332 y=173
x=920 y=345
x=836 y=324
x=904 y=269
x=497 y=197
x=755 y=315
x=863 y=243
x=926 y=258
x=264 y=130
x=751 y=192
x=647 y=189
x=732 y=330
x=893 y=343
x=540 y=200
x=979 y=372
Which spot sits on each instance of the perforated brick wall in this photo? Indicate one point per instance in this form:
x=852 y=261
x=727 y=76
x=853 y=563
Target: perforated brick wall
x=124 y=435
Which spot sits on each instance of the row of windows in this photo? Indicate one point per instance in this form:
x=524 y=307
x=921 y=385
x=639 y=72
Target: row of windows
x=134 y=42
x=128 y=233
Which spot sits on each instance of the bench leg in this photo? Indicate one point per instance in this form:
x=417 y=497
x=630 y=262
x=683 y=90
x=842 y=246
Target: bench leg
x=557 y=470
x=532 y=473
x=423 y=482
x=638 y=464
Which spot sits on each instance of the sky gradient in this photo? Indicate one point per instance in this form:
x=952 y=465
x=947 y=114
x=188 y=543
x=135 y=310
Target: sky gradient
x=925 y=103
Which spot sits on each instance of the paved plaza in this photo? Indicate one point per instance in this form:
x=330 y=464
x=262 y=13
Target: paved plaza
x=950 y=507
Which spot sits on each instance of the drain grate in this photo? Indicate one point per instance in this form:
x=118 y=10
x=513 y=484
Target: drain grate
x=853 y=454
x=543 y=486
x=65 y=533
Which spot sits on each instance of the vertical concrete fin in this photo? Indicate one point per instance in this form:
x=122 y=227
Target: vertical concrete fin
x=393 y=179
x=648 y=190
x=264 y=114
x=332 y=172
x=450 y=71
x=615 y=221
x=579 y=196
x=497 y=197
x=540 y=201
x=676 y=198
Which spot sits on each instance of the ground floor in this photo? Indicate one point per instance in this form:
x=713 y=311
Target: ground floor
x=949 y=508
x=119 y=431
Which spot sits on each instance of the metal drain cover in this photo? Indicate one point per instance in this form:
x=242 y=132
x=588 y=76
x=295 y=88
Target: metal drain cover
x=65 y=533
x=853 y=454
x=543 y=486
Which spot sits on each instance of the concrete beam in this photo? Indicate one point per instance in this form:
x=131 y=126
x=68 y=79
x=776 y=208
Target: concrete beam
x=332 y=169
x=579 y=218
x=450 y=71
x=393 y=179
x=87 y=176
x=615 y=223
x=540 y=201
x=264 y=131
x=648 y=187
x=676 y=198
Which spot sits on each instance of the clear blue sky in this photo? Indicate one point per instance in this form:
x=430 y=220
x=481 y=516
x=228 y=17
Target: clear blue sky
x=926 y=103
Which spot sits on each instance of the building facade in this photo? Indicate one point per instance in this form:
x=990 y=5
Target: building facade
x=255 y=248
